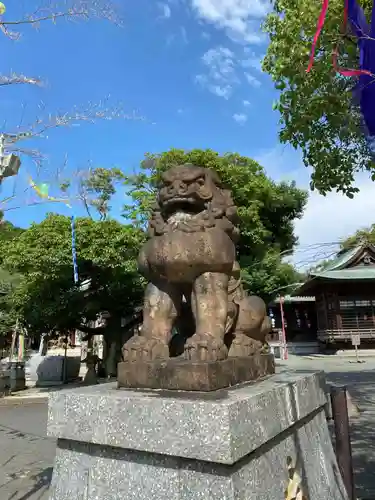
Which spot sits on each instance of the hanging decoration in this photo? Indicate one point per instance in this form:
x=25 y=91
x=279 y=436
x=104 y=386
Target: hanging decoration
x=364 y=89
x=21 y=346
x=74 y=252
x=42 y=191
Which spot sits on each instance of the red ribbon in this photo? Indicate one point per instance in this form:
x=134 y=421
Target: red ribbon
x=347 y=72
x=343 y=72
x=319 y=28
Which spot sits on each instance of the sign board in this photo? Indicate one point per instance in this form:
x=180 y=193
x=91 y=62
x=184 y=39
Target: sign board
x=356 y=339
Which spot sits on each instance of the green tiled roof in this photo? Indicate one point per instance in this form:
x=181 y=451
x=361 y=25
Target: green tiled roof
x=338 y=269
x=356 y=273
x=343 y=258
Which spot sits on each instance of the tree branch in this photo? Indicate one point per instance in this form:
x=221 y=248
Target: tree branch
x=77 y=9
x=137 y=318
x=31 y=204
x=93 y=112
x=15 y=79
x=90 y=330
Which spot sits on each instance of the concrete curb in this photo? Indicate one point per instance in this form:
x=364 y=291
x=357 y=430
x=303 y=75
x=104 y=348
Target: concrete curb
x=35 y=397
x=350 y=357
x=22 y=401
x=353 y=410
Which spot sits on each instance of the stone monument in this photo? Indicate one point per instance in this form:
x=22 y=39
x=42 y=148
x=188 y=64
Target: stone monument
x=200 y=414
x=48 y=369
x=194 y=283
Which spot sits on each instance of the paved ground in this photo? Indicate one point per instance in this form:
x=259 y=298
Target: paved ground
x=360 y=380
x=26 y=455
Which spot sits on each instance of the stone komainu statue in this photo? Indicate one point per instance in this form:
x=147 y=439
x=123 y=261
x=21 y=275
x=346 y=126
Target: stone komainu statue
x=190 y=262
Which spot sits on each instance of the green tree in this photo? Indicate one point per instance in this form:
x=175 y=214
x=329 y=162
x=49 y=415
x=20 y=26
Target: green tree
x=366 y=235
x=267 y=210
x=96 y=189
x=47 y=300
x=318 y=114
x=8 y=232
x=9 y=281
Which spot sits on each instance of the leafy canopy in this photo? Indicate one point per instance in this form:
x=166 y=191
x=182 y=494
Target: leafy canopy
x=47 y=299
x=8 y=281
x=267 y=210
x=366 y=235
x=317 y=112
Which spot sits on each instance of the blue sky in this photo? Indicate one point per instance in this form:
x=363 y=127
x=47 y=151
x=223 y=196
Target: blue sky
x=190 y=67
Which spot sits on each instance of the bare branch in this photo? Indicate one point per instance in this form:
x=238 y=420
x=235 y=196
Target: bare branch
x=15 y=79
x=70 y=9
x=83 y=195
x=36 y=156
x=30 y=204
x=90 y=114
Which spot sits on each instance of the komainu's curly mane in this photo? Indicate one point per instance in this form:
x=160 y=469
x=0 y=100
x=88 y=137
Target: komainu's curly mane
x=192 y=199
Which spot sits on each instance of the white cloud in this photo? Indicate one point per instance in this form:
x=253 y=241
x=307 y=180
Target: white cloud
x=165 y=10
x=240 y=118
x=252 y=80
x=220 y=59
x=246 y=103
x=225 y=68
x=327 y=219
x=252 y=60
x=221 y=75
x=239 y=18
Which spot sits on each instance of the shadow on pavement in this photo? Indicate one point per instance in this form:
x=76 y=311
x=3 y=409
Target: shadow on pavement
x=361 y=386
x=27 y=455
x=41 y=482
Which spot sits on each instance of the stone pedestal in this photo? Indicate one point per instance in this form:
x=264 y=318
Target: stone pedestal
x=181 y=375
x=249 y=442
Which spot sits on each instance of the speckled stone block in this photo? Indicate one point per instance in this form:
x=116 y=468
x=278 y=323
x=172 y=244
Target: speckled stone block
x=233 y=444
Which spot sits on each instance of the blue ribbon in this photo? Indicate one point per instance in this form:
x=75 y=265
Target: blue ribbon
x=74 y=252
x=364 y=91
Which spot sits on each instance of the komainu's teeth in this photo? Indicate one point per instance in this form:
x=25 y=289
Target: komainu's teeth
x=179 y=217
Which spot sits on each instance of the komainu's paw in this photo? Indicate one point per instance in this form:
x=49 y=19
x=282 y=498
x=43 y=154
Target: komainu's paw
x=205 y=348
x=242 y=345
x=143 y=349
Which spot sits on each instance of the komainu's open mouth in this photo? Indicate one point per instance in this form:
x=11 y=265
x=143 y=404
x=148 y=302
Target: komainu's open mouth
x=182 y=205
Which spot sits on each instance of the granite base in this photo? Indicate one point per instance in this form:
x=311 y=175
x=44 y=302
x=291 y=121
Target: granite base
x=244 y=443
x=178 y=374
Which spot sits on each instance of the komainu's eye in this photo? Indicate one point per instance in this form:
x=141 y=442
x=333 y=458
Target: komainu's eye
x=201 y=181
